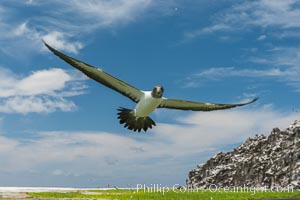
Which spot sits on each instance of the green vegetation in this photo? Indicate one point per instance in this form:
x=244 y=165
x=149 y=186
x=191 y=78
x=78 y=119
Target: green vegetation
x=172 y=195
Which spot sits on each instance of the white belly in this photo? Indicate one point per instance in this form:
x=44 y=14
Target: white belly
x=146 y=105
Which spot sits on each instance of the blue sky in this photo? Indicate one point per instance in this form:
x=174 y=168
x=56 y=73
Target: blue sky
x=58 y=128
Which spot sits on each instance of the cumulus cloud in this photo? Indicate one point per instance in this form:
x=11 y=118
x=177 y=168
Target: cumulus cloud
x=170 y=151
x=39 y=82
x=21 y=104
x=41 y=91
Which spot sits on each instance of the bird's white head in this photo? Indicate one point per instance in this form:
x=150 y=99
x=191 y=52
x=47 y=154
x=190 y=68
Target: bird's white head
x=157 y=92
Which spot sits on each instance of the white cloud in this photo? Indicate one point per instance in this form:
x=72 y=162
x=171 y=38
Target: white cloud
x=24 y=105
x=111 y=14
x=39 y=82
x=107 y=13
x=48 y=81
x=261 y=37
x=269 y=19
x=273 y=17
x=125 y=158
x=58 y=40
x=207 y=30
x=30 y=2
x=7 y=144
x=266 y=13
x=287 y=58
x=67 y=25
x=18 y=35
x=276 y=20
x=42 y=91
x=223 y=72
x=287 y=75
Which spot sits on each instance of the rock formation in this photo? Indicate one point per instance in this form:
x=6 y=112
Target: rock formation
x=261 y=161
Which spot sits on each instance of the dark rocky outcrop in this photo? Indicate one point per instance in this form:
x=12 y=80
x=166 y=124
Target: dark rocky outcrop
x=272 y=161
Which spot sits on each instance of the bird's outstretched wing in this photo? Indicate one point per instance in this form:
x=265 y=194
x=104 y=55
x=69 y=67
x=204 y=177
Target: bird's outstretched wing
x=197 y=106
x=100 y=76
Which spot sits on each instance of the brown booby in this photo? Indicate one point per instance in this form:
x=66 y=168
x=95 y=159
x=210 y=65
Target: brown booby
x=146 y=101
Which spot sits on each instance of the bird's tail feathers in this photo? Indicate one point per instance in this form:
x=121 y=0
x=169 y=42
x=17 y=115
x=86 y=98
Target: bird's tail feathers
x=131 y=122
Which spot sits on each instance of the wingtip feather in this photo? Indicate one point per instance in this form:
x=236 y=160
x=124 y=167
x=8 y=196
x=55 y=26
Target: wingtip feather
x=253 y=100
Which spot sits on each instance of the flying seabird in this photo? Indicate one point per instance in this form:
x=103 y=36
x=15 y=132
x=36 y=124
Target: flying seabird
x=146 y=101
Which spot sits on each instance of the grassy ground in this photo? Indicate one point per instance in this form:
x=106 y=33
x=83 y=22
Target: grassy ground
x=172 y=195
